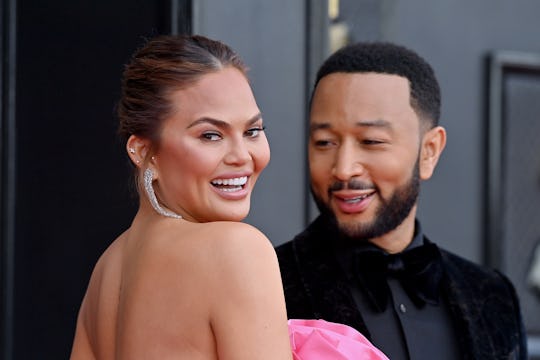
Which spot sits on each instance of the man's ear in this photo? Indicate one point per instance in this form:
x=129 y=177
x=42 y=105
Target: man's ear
x=137 y=149
x=433 y=143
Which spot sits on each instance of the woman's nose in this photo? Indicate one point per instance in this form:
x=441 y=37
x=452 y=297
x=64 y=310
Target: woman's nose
x=238 y=153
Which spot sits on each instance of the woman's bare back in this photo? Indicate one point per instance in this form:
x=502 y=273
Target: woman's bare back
x=153 y=295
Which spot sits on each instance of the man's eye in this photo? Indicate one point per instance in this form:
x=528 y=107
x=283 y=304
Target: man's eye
x=211 y=136
x=254 y=132
x=372 y=142
x=322 y=143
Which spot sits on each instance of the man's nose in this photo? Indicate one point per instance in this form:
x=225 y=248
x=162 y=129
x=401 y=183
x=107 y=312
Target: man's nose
x=348 y=162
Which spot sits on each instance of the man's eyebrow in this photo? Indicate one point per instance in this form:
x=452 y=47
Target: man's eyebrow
x=363 y=123
x=314 y=126
x=221 y=123
x=374 y=123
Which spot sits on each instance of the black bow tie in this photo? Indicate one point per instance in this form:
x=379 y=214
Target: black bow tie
x=419 y=271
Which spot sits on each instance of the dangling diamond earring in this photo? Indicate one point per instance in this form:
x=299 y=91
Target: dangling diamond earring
x=148 y=178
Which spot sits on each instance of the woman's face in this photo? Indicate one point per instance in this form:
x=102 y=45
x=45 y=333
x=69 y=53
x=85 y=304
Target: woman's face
x=212 y=149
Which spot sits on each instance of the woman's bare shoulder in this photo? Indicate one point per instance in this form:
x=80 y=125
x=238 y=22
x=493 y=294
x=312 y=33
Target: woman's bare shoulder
x=238 y=253
x=234 y=241
x=110 y=260
x=247 y=293
x=234 y=234
x=216 y=252
x=213 y=239
x=195 y=253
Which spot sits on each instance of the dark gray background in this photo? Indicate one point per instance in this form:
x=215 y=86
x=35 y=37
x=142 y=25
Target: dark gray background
x=64 y=179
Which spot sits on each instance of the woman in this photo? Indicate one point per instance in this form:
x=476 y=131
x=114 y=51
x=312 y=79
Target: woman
x=188 y=280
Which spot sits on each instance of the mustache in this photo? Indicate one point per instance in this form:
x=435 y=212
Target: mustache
x=353 y=184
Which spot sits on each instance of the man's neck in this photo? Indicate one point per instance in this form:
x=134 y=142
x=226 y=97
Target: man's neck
x=398 y=239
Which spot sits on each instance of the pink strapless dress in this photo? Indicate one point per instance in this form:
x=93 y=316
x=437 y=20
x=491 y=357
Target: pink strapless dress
x=323 y=340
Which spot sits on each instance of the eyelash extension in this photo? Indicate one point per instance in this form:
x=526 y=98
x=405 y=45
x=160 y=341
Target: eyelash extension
x=206 y=135
x=259 y=129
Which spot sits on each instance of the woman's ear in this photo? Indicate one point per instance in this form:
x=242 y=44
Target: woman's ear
x=137 y=149
x=433 y=143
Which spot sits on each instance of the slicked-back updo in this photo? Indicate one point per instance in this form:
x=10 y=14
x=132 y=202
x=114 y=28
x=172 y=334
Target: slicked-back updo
x=163 y=65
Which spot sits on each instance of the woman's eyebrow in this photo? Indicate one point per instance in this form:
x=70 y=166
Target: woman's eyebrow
x=221 y=123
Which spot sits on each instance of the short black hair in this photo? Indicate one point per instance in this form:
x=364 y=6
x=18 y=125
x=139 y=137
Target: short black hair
x=388 y=58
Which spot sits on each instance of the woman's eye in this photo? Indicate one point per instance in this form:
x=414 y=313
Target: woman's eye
x=211 y=136
x=254 y=132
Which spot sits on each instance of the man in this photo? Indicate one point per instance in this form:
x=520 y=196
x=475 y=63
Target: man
x=365 y=262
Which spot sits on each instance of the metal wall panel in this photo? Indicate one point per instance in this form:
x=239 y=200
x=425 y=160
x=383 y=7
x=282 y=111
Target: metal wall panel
x=513 y=191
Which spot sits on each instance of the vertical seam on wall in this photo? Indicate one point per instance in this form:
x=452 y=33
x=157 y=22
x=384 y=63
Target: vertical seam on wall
x=174 y=17
x=181 y=16
x=8 y=168
x=307 y=79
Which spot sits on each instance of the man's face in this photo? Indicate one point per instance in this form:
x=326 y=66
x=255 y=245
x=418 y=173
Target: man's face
x=363 y=152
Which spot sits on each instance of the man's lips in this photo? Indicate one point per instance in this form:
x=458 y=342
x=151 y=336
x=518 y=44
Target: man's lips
x=353 y=202
x=352 y=195
x=352 y=199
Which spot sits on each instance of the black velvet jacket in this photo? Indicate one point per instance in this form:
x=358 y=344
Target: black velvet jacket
x=483 y=302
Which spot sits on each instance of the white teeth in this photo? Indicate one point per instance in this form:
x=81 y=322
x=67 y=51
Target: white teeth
x=240 y=181
x=356 y=199
x=238 y=188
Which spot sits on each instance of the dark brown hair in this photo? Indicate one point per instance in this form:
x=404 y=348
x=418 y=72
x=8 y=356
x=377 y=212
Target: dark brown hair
x=163 y=65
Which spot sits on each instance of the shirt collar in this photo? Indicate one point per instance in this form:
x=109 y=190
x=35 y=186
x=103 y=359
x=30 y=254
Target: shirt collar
x=345 y=248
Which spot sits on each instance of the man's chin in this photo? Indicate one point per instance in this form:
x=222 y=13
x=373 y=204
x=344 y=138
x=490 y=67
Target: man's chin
x=354 y=229
x=353 y=220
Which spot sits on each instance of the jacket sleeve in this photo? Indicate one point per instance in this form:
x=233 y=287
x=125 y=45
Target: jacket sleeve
x=298 y=305
x=520 y=350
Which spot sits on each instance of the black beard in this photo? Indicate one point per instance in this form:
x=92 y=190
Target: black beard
x=388 y=216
